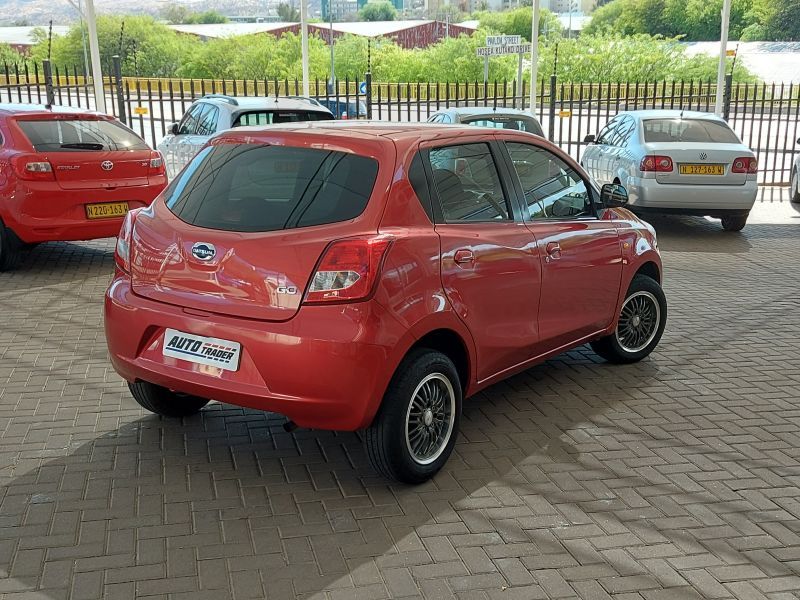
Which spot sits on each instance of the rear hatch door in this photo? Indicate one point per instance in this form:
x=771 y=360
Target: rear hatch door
x=89 y=152
x=240 y=231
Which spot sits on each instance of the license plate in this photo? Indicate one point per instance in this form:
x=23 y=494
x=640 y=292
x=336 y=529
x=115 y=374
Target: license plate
x=107 y=210
x=702 y=169
x=202 y=350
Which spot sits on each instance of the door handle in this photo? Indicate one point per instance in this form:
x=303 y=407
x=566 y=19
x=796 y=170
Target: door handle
x=553 y=250
x=462 y=257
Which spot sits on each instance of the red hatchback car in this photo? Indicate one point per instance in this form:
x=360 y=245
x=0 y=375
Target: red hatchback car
x=370 y=276
x=68 y=174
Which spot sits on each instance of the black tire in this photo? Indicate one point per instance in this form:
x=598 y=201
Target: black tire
x=165 y=402
x=9 y=250
x=794 y=192
x=647 y=290
x=734 y=222
x=387 y=443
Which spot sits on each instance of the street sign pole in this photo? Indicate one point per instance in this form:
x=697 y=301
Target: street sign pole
x=304 y=42
x=534 y=53
x=94 y=53
x=723 y=52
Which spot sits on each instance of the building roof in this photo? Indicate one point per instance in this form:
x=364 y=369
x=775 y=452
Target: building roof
x=224 y=30
x=22 y=36
x=769 y=61
x=374 y=28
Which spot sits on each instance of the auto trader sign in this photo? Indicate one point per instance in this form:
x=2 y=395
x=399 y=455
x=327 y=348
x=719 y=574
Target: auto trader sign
x=499 y=45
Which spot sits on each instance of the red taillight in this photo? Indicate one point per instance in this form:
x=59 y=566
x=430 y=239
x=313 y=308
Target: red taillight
x=745 y=164
x=344 y=116
x=122 y=253
x=655 y=163
x=33 y=168
x=348 y=270
x=157 y=166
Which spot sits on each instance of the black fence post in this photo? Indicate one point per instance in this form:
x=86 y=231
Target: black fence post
x=552 y=125
x=47 y=69
x=117 y=73
x=726 y=102
x=368 y=80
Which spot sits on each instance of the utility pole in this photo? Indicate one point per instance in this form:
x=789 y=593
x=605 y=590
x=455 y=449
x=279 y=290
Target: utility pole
x=304 y=41
x=94 y=53
x=723 y=53
x=330 y=39
x=534 y=53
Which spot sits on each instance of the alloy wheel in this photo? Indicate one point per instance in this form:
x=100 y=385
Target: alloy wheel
x=430 y=418
x=638 y=321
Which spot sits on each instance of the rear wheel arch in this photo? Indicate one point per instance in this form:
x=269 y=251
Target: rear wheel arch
x=452 y=345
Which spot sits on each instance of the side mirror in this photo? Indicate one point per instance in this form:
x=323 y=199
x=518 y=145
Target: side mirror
x=173 y=129
x=798 y=140
x=613 y=194
x=589 y=139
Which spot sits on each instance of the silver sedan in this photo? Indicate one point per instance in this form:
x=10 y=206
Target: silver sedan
x=676 y=162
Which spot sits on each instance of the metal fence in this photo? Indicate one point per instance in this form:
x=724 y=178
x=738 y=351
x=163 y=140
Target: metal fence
x=765 y=116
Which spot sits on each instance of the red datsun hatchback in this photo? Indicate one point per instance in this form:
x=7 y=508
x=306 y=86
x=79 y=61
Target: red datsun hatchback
x=371 y=276
x=68 y=174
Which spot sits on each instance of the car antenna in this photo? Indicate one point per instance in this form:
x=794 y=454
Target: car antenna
x=681 y=117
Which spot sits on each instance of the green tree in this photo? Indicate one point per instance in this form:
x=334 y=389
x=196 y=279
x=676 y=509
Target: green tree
x=378 y=11
x=175 y=13
x=10 y=57
x=518 y=22
x=784 y=23
x=147 y=47
x=207 y=17
x=287 y=13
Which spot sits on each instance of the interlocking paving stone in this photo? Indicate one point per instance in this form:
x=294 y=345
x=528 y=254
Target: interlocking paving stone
x=678 y=477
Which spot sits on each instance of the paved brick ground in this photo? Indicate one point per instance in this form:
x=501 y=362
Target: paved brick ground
x=675 y=478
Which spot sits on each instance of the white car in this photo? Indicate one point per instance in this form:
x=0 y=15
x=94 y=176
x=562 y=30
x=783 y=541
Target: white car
x=794 y=185
x=676 y=162
x=211 y=114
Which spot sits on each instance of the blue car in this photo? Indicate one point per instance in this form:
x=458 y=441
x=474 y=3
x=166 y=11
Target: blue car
x=344 y=109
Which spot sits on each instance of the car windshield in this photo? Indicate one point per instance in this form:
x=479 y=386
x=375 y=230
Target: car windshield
x=515 y=123
x=76 y=135
x=273 y=117
x=258 y=188
x=688 y=130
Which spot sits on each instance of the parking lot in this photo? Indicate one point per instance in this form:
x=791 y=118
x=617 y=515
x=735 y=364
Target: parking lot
x=678 y=477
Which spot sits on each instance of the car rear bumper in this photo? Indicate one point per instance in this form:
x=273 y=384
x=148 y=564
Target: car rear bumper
x=692 y=199
x=47 y=213
x=327 y=368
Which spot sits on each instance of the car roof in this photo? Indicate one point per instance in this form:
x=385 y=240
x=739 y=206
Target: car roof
x=240 y=103
x=8 y=109
x=403 y=134
x=488 y=111
x=671 y=114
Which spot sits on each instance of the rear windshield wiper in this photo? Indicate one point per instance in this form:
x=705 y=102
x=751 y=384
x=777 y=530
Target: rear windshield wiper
x=83 y=146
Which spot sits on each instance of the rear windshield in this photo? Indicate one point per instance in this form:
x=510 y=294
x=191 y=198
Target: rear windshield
x=515 y=123
x=688 y=130
x=77 y=135
x=255 y=188
x=273 y=117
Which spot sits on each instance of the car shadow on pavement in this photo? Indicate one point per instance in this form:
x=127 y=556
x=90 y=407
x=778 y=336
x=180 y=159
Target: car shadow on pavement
x=572 y=475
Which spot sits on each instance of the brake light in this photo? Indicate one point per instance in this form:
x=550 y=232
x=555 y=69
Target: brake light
x=122 y=252
x=157 y=166
x=348 y=270
x=745 y=164
x=32 y=168
x=657 y=164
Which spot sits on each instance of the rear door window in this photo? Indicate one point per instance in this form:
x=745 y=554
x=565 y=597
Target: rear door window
x=191 y=119
x=273 y=117
x=514 y=123
x=688 y=130
x=255 y=188
x=468 y=184
x=76 y=135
